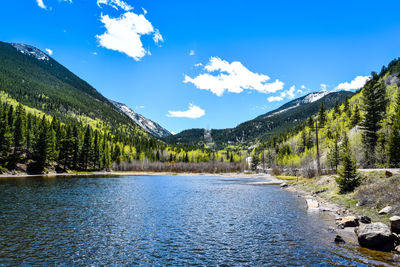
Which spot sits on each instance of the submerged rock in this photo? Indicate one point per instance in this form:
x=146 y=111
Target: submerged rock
x=339 y=239
x=395 y=224
x=284 y=185
x=349 y=221
x=365 y=219
x=375 y=236
x=385 y=210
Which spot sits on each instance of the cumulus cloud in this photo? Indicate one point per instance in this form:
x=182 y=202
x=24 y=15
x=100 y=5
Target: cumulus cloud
x=323 y=86
x=191 y=53
x=275 y=98
x=357 y=83
x=123 y=34
x=221 y=76
x=194 y=112
x=115 y=4
x=41 y=4
x=49 y=51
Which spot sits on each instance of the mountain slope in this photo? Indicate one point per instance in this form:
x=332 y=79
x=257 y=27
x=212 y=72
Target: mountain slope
x=147 y=124
x=33 y=78
x=261 y=128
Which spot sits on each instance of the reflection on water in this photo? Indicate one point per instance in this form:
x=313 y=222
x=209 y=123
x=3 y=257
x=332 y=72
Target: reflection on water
x=164 y=220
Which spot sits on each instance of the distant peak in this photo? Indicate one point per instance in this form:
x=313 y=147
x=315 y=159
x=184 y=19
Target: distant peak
x=31 y=51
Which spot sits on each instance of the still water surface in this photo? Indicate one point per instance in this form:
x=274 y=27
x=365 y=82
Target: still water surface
x=166 y=220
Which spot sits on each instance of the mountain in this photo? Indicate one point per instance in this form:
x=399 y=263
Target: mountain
x=147 y=124
x=264 y=126
x=36 y=80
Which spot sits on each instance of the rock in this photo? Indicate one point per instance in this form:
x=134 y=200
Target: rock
x=312 y=203
x=395 y=224
x=284 y=185
x=319 y=191
x=339 y=239
x=375 y=236
x=385 y=210
x=365 y=219
x=349 y=221
x=388 y=174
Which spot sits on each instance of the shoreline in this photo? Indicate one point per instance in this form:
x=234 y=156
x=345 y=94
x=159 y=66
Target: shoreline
x=271 y=179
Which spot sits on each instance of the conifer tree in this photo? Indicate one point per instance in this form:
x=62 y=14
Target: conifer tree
x=19 y=136
x=374 y=106
x=334 y=153
x=355 y=118
x=394 y=139
x=41 y=147
x=348 y=178
x=321 y=115
x=86 y=149
x=5 y=137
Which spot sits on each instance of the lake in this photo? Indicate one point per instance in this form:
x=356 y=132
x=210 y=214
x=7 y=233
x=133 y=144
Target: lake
x=163 y=220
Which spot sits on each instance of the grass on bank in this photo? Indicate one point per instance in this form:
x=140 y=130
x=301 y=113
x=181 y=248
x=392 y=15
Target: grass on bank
x=375 y=192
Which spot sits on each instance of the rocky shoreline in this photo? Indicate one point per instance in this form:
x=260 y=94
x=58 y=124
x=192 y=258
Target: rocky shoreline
x=352 y=228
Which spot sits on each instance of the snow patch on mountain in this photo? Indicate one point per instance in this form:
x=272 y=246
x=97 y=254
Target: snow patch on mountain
x=31 y=51
x=148 y=125
x=315 y=96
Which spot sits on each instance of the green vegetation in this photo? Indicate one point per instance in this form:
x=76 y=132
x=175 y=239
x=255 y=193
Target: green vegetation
x=270 y=126
x=369 y=120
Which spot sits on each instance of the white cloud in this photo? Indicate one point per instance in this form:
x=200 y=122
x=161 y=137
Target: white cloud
x=191 y=53
x=194 y=112
x=357 y=83
x=232 y=77
x=123 y=34
x=139 y=107
x=95 y=53
x=198 y=65
x=303 y=87
x=157 y=37
x=116 y=4
x=41 y=4
x=275 y=98
x=291 y=92
x=323 y=86
x=49 y=51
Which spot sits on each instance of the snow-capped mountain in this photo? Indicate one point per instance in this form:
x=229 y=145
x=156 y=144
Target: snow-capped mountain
x=31 y=51
x=148 y=125
x=307 y=99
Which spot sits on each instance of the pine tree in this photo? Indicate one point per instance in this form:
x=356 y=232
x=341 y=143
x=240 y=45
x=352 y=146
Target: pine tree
x=334 y=154
x=355 y=118
x=394 y=139
x=255 y=161
x=41 y=150
x=348 y=178
x=75 y=151
x=19 y=137
x=5 y=137
x=86 y=149
x=374 y=106
x=321 y=115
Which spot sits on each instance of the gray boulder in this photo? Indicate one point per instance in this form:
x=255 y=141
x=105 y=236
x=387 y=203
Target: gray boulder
x=375 y=236
x=395 y=224
x=385 y=210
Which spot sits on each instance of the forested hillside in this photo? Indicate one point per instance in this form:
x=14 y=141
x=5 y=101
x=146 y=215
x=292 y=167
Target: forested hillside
x=50 y=120
x=264 y=127
x=364 y=130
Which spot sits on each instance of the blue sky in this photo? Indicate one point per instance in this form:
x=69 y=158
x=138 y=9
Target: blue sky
x=209 y=64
